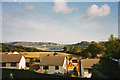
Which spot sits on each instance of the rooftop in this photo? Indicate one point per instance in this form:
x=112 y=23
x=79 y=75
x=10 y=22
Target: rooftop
x=10 y=57
x=52 y=61
x=88 y=63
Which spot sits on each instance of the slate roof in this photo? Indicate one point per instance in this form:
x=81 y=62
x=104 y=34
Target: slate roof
x=88 y=63
x=10 y=58
x=52 y=61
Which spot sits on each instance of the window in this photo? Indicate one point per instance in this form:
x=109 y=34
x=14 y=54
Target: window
x=45 y=67
x=89 y=70
x=56 y=67
x=13 y=64
x=74 y=61
x=3 y=64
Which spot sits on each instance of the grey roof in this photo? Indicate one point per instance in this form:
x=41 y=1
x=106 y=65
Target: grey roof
x=52 y=61
x=88 y=63
x=11 y=57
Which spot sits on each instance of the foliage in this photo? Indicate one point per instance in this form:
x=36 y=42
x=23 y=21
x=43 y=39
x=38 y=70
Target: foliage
x=106 y=65
x=113 y=47
x=92 y=50
x=85 y=49
x=7 y=48
x=75 y=71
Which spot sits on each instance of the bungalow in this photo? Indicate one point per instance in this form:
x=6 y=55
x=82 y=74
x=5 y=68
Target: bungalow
x=86 y=67
x=12 y=61
x=53 y=65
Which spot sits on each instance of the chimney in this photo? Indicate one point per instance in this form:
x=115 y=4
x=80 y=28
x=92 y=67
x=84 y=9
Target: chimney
x=79 y=67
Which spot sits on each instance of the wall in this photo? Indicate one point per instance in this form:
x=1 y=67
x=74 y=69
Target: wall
x=64 y=63
x=52 y=70
x=22 y=63
x=8 y=65
x=86 y=74
x=82 y=71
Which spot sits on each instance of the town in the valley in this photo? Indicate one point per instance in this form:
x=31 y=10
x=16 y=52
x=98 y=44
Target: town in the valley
x=71 y=62
x=59 y=39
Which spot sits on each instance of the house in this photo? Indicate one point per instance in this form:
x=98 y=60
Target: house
x=53 y=64
x=12 y=61
x=74 y=61
x=86 y=67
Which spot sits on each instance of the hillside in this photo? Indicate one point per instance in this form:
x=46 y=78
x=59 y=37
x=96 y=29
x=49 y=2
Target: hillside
x=50 y=46
x=7 y=48
x=38 y=45
x=84 y=44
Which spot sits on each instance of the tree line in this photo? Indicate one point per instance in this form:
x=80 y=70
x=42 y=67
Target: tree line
x=89 y=51
x=7 y=48
x=106 y=65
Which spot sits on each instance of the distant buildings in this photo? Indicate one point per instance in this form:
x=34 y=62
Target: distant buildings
x=13 y=60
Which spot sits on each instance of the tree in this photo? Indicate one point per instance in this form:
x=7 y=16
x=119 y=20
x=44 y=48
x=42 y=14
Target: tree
x=76 y=50
x=113 y=47
x=75 y=71
x=89 y=54
x=106 y=65
x=71 y=49
x=65 y=49
x=94 y=49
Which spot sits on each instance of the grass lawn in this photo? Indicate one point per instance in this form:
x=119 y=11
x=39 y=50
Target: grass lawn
x=37 y=54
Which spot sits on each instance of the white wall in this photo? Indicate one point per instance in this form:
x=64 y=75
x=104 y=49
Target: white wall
x=82 y=71
x=8 y=65
x=22 y=63
x=64 y=63
x=52 y=70
x=86 y=74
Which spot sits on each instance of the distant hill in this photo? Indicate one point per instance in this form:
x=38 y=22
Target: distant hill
x=84 y=44
x=38 y=45
x=50 y=46
x=8 y=47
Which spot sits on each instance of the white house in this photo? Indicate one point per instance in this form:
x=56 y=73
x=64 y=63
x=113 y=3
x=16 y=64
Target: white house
x=53 y=65
x=13 y=61
x=86 y=67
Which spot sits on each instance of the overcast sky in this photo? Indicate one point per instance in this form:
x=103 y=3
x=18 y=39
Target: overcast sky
x=61 y=22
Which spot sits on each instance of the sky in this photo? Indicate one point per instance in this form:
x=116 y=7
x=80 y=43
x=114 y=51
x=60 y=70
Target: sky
x=60 y=22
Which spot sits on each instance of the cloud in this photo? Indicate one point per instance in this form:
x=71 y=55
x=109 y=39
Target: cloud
x=94 y=11
x=29 y=7
x=62 y=7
